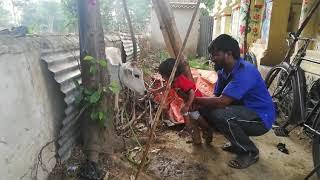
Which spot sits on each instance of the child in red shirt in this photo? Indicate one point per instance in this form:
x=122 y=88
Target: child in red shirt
x=187 y=90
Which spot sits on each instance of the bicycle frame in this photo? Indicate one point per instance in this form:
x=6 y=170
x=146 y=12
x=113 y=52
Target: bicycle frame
x=308 y=118
x=297 y=34
x=294 y=65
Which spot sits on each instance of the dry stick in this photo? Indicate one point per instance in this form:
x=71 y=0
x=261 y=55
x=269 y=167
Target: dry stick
x=158 y=113
x=150 y=114
x=133 y=120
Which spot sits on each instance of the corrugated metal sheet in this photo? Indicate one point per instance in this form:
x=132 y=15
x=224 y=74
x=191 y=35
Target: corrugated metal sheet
x=125 y=46
x=183 y=3
x=64 y=64
x=128 y=46
x=206 y=28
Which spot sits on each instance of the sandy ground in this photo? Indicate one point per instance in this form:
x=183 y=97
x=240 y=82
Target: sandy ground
x=178 y=160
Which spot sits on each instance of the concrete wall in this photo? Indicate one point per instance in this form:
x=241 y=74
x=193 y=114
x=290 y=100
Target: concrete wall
x=182 y=18
x=31 y=108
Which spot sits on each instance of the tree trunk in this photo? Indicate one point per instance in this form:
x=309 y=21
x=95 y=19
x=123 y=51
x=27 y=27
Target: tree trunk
x=170 y=32
x=96 y=138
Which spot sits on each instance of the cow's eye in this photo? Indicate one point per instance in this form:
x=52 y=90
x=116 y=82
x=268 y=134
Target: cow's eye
x=136 y=76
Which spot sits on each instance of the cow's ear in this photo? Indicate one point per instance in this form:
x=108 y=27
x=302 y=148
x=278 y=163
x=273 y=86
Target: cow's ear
x=128 y=72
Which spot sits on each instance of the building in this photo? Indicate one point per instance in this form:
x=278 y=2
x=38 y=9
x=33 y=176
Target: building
x=270 y=23
x=182 y=10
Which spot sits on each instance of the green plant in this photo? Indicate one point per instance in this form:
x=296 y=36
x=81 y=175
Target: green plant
x=90 y=98
x=197 y=63
x=163 y=55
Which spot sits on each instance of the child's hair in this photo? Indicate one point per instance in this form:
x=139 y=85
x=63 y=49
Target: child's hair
x=166 y=67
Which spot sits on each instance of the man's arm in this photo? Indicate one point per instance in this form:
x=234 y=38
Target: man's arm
x=214 y=102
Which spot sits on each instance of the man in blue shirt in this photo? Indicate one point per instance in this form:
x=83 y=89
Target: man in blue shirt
x=241 y=105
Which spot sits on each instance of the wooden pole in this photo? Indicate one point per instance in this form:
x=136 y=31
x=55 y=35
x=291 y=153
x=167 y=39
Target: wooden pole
x=170 y=32
x=158 y=113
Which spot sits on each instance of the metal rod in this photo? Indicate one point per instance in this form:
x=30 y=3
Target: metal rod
x=312 y=172
x=311 y=129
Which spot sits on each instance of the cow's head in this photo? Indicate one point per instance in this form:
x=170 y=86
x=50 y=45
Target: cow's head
x=132 y=77
x=129 y=74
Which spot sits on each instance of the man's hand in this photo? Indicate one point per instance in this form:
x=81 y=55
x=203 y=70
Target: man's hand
x=185 y=109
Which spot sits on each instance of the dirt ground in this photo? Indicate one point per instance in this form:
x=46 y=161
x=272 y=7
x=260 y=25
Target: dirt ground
x=210 y=162
x=172 y=158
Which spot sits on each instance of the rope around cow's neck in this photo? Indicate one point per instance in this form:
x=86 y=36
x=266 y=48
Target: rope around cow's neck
x=158 y=113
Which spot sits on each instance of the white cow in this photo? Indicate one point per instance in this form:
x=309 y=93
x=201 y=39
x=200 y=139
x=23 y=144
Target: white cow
x=127 y=74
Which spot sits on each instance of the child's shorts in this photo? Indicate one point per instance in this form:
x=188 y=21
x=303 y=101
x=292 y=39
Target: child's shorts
x=194 y=114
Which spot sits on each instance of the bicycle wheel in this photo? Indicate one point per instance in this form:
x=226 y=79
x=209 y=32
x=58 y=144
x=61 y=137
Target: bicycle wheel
x=312 y=99
x=284 y=95
x=316 y=145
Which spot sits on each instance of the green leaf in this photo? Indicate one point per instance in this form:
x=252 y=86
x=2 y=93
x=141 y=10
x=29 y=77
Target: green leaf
x=87 y=98
x=93 y=70
x=88 y=91
x=105 y=89
x=114 y=87
x=94 y=115
x=101 y=115
x=103 y=63
x=95 y=97
x=88 y=58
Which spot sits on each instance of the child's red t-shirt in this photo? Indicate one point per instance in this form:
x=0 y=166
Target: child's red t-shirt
x=184 y=84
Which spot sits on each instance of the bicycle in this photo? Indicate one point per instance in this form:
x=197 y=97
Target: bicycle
x=289 y=94
x=292 y=104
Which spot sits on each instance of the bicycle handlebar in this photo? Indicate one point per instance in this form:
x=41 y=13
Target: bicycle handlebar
x=292 y=36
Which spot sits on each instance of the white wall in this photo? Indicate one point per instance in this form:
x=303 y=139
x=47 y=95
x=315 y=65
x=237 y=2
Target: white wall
x=31 y=108
x=182 y=18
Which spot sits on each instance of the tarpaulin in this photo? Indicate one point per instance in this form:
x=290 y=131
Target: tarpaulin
x=205 y=81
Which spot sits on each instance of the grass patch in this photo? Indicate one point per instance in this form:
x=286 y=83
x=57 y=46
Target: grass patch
x=198 y=63
x=194 y=62
x=163 y=55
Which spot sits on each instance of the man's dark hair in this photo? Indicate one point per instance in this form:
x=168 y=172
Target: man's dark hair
x=225 y=43
x=166 y=67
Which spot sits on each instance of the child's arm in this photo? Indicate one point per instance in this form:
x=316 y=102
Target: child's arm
x=189 y=102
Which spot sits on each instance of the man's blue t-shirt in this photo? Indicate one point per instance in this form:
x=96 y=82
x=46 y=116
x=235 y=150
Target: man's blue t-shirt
x=245 y=84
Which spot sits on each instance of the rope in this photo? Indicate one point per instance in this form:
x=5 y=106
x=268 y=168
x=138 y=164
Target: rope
x=158 y=113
